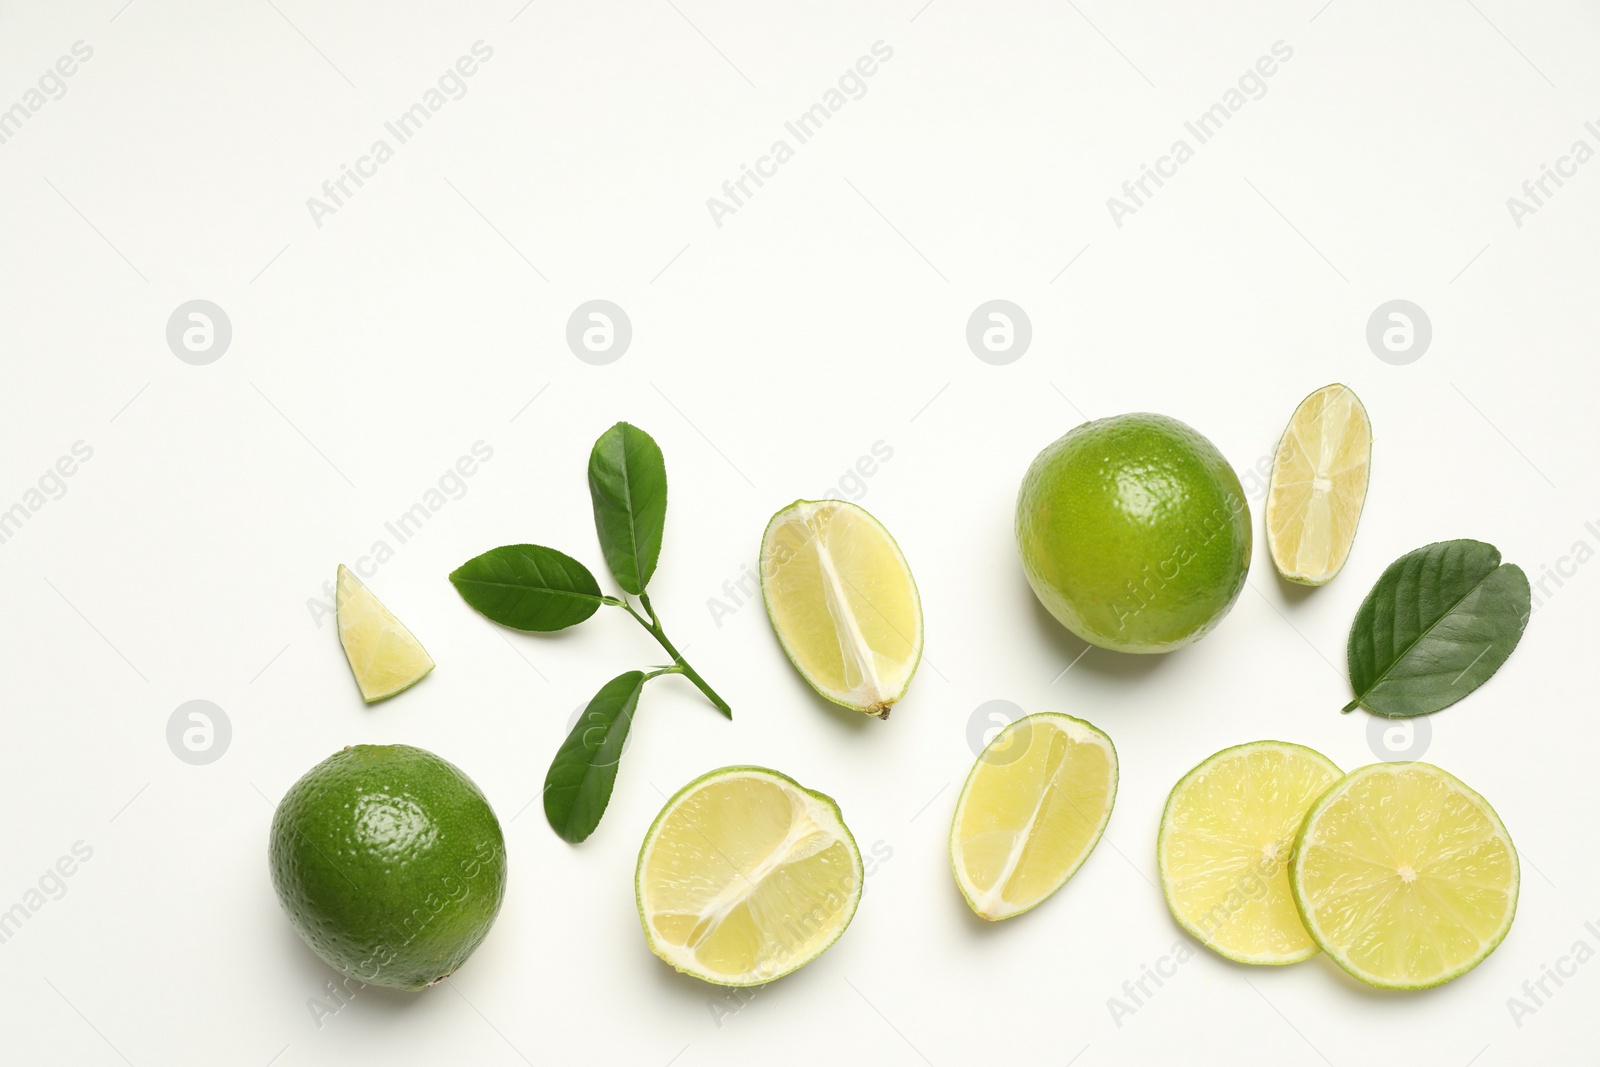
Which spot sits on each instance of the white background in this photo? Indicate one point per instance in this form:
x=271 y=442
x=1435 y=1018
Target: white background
x=769 y=354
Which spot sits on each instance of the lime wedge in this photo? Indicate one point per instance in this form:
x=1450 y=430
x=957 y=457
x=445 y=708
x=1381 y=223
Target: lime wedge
x=1319 y=484
x=843 y=603
x=745 y=876
x=383 y=655
x=1404 y=876
x=1223 y=849
x=1032 y=810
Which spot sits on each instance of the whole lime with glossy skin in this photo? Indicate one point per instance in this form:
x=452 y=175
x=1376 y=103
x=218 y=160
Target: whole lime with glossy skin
x=390 y=864
x=1134 y=532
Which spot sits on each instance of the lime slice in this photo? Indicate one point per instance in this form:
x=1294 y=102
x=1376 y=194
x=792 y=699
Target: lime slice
x=843 y=603
x=1404 y=876
x=383 y=655
x=1032 y=810
x=1223 y=849
x=1319 y=483
x=746 y=876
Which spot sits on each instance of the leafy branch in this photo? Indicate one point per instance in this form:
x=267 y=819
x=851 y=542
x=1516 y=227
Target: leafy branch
x=532 y=587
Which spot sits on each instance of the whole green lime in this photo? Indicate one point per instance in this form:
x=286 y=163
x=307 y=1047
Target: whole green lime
x=390 y=864
x=1134 y=533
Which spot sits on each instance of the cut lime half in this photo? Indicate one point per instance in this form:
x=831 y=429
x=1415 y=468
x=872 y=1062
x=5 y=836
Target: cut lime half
x=384 y=657
x=746 y=876
x=1404 y=876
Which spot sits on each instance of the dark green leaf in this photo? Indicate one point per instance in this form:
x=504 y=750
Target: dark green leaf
x=1439 y=622
x=529 y=587
x=628 y=481
x=578 y=785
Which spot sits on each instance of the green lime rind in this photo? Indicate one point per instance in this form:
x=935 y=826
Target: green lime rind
x=389 y=863
x=880 y=709
x=1365 y=486
x=1134 y=532
x=740 y=770
x=1161 y=853
x=1078 y=725
x=1332 y=951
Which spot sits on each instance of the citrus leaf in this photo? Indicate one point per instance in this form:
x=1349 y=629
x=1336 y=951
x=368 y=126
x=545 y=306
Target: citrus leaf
x=529 y=587
x=628 y=483
x=578 y=785
x=1439 y=622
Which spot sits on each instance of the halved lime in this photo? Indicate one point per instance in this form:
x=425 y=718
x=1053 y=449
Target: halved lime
x=745 y=876
x=1404 y=876
x=1031 y=811
x=385 y=658
x=1319 y=484
x=843 y=603
x=1223 y=849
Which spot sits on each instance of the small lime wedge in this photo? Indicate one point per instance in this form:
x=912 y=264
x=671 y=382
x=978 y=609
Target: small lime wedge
x=1032 y=809
x=843 y=603
x=1319 y=485
x=385 y=658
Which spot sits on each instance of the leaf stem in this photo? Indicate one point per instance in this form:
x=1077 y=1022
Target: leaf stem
x=659 y=671
x=1352 y=706
x=680 y=665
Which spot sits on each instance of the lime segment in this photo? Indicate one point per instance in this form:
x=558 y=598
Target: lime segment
x=1031 y=811
x=842 y=600
x=384 y=657
x=1319 y=485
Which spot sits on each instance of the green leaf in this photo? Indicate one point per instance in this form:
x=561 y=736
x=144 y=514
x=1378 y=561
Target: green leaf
x=529 y=587
x=1438 y=624
x=578 y=785
x=628 y=482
